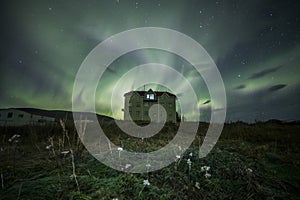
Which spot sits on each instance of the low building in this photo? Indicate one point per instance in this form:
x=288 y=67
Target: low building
x=138 y=103
x=15 y=117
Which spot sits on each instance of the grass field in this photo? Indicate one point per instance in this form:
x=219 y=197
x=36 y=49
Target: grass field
x=250 y=161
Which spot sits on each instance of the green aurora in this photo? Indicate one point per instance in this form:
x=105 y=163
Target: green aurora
x=255 y=45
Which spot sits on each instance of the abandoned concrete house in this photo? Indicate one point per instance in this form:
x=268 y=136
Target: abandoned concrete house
x=138 y=103
x=15 y=117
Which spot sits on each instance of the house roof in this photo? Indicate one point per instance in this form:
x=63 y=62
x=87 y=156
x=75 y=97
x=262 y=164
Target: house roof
x=57 y=114
x=142 y=93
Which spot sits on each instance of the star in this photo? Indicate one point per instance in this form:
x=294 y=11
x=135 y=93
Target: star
x=243 y=41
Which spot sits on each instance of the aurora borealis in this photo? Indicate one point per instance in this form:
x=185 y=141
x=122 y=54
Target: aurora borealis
x=255 y=45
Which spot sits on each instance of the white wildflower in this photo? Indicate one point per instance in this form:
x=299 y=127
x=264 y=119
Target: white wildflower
x=115 y=199
x=191 y=154
x=205 y=168
x=249 y=170
x=65 y=152
x=207 y=175
x=178 y=156
x=148 y=165
x=15 y=136
x=146 y=182
x=197 y=185
x=189 y=162
x=48 y=147
x=120 y=149
x=127 y=166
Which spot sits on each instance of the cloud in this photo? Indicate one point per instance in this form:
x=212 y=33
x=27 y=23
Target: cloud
x=277 y=87
x=264 y=72
x=241 y=87
x=206 y=102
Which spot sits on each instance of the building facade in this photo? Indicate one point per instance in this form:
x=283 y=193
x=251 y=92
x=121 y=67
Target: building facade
x=138 y=103
x=15 y=117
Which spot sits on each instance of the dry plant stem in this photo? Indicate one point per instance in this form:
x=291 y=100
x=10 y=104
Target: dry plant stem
x=80 y=134
x=63 y=140
x=89 y=172
x=109 y=145
x=99 y=146
x=58 y=164
x=65 y=133
x=38 y=148
x=190 y=168
x=20 y=189
x=82 y=131
x=59 y=145
x=67 y=136
x=74 y=170
x=84 y=127
x=52 y=145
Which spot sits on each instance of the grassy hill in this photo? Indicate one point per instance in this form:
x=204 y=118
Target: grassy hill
x=250 y=161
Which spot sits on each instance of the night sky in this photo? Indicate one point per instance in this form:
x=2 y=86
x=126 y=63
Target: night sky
x=255 y=45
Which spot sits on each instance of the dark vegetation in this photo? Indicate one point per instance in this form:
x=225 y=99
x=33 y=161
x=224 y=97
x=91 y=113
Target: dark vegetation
x=250 y=161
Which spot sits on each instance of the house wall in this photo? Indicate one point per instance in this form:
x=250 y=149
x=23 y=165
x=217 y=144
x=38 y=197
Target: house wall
x=169 y=103
x=135 y=107
x=138 y=107
x=14 y=117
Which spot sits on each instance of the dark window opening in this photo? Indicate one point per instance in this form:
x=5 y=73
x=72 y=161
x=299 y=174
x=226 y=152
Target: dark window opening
x=21 y=115
x=9 y=115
